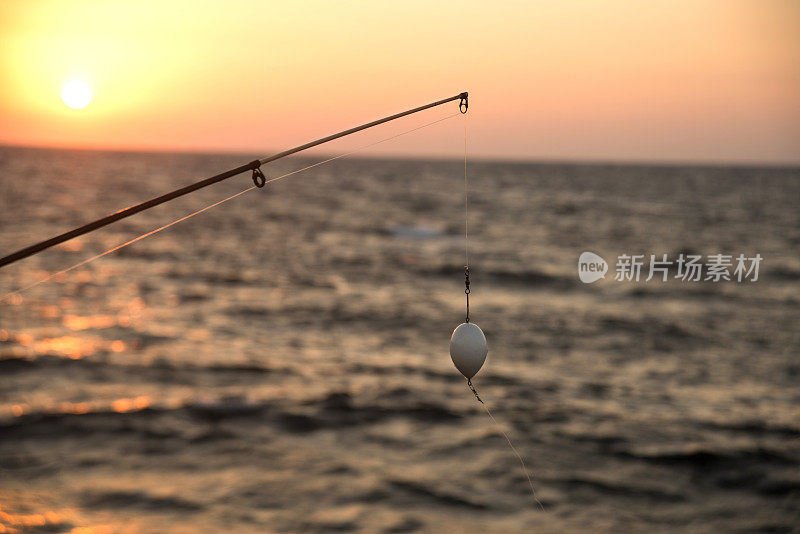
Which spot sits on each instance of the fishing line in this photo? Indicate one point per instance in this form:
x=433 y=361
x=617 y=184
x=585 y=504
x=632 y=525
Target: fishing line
x=467 y=292
x=519 y=456
x=466 y=205
x=157 y=230
x=125 y=244
x=363 y=148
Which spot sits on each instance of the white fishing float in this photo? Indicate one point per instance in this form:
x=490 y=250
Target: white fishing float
x=468 y=349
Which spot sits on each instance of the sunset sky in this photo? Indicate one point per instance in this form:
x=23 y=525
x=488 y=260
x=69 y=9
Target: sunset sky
x=676 y=81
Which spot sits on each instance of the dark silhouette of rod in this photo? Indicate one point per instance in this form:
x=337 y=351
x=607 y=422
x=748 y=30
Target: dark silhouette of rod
x=253 y=165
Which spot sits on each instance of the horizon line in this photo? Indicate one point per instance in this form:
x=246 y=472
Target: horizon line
x=520 y=160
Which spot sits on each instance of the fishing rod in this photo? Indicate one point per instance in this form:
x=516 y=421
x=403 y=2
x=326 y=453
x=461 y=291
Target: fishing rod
x=258 y=179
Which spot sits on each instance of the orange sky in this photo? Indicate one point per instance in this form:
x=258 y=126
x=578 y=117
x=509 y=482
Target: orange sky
x=676 y=80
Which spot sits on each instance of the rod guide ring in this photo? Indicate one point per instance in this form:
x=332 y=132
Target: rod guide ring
x=258 y=177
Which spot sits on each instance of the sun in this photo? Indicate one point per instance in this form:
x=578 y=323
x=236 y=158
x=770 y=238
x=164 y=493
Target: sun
x=76 y=94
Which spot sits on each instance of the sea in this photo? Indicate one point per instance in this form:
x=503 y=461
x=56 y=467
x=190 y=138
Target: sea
x=279 y=362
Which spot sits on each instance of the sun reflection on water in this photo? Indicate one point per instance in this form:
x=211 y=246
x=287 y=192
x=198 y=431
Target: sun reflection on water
x=131 y=405
x=121 y=405
x=73 y=347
